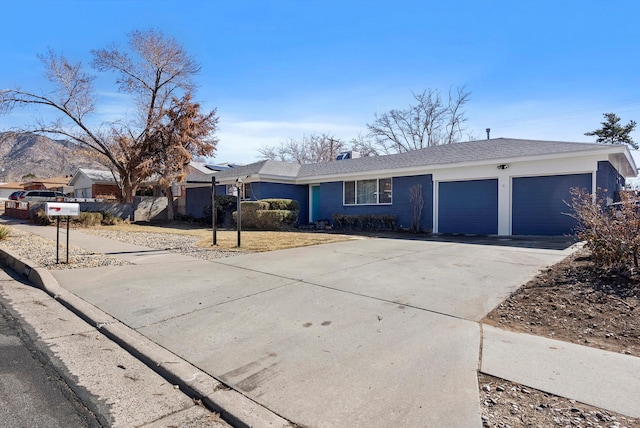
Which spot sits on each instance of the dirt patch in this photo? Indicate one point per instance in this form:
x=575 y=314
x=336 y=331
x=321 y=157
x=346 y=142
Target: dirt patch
x=576 y=302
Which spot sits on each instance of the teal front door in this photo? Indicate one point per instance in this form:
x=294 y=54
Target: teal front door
x=314 y=213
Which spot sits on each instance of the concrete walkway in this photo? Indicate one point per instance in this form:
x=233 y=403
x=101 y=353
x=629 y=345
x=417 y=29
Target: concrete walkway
x=371 y=332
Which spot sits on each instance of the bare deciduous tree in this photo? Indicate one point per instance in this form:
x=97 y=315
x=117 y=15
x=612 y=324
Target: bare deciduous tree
x=429 y=122
x=182 y=133
x=417 y=203
x=154 y=69
x=312 y=149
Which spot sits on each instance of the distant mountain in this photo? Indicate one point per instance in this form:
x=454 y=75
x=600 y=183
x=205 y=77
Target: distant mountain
x=25 y=153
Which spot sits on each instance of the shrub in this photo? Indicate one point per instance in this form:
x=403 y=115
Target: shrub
x=4 y=232
x=187 y=218
x=282 y=204
x=611 y=233
x=88 y=219
x=365 y=222
x=41 y=218
x=108 y=219
x=258 y=215
x=253 y=206
x=339 y=221
x=276 y=219
x=225 y=205
x=249 y=219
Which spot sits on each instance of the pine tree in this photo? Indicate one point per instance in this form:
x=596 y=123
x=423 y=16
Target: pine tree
x=612 y=132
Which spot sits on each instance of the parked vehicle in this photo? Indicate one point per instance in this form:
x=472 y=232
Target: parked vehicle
x=40 y=195
x=15 y=195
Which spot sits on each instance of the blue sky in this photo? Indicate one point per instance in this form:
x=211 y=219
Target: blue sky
x=283 y=69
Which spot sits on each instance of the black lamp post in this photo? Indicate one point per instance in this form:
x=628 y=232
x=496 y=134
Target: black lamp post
x=239 y=193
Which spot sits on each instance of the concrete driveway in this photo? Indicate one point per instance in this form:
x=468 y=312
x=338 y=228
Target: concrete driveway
x=370 y=332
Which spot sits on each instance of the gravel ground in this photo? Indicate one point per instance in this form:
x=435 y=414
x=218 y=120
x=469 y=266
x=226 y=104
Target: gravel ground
x=42 y=252
x=183 y=244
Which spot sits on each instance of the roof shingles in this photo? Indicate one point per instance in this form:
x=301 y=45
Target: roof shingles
x=474 y=151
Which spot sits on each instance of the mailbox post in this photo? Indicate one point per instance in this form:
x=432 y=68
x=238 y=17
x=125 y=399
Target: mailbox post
x=62 y=209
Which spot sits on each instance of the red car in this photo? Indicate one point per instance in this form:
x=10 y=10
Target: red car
x=16 y=195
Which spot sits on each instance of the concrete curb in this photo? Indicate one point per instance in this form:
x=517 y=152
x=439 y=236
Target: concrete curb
x=234 y=408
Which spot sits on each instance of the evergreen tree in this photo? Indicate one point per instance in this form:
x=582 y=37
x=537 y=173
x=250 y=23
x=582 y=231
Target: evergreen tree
x=612 y=132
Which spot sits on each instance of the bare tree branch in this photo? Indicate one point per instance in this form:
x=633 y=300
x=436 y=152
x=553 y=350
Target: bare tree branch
x=426 y=123
x=310 y=149
x=154 y=70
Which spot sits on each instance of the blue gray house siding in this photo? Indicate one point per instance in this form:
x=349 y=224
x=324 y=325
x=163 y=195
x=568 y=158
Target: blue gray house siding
x=198 y=198
x=331 y=202
x=608 y=181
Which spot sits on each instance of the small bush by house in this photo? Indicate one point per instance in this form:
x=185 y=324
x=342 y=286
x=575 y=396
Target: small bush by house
x=365 y=222
x=267 y=214
x=612 y=233
x=282 y=204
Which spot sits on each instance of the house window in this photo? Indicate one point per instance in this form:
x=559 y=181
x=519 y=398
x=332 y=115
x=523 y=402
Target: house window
x=246 y=191
x=367 y=192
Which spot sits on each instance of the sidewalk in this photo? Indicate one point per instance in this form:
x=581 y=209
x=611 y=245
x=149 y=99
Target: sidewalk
x=608 y=380
x=273 y=326
x=116 y=387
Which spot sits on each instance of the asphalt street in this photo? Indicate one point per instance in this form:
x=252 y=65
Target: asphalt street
x=31 y=392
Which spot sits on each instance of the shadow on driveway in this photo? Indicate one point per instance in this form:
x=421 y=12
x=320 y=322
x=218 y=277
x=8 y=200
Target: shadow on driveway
x=539 y=242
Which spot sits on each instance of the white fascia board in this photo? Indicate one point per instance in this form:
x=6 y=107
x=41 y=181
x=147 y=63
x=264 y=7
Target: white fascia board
x=268 y=178
x=520 y=169
x=263 y=178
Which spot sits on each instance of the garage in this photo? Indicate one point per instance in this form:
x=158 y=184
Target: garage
x=469 y=207
x=538 y=203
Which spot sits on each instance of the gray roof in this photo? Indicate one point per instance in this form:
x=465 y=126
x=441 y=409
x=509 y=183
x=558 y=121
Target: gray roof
x=98 y=175
x=263 y=168
x=497 y=149
x=472 y=151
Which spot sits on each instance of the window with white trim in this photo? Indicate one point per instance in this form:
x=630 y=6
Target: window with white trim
x=367 y=192
x=246 y=191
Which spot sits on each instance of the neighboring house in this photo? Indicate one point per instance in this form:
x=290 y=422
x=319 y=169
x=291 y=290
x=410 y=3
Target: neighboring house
x=94 y=183
x=57 y=184
x=7 y=189
x=490 y=187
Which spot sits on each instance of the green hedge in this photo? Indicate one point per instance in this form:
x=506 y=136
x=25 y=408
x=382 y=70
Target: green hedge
x=282 y=204
x=365 y=222
x=253 y=206
x=268 y=214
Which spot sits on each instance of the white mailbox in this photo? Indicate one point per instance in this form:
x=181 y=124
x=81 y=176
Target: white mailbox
x=62 y=209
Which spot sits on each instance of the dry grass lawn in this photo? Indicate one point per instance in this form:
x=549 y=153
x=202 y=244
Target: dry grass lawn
x=228 y=239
